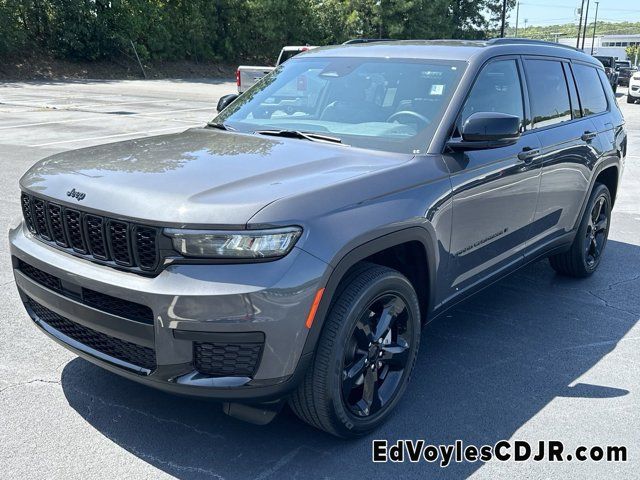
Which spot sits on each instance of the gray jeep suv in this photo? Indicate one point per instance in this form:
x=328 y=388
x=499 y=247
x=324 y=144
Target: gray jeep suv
x=292 y=249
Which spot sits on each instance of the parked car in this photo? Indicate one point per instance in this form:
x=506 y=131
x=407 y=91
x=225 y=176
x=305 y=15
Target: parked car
x=293 y=248
x=609 y=64
x=633 y=93
x=247 y=76
x=624 y=74
x=623 y=64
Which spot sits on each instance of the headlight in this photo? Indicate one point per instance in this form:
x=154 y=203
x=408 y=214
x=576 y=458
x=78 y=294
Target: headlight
x=244 y=244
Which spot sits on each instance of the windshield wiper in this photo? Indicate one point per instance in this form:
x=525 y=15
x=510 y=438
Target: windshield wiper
x=314 y=137
x=220 y=126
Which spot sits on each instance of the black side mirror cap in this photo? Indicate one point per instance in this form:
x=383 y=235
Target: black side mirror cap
x=225 y=101
x=487 y=130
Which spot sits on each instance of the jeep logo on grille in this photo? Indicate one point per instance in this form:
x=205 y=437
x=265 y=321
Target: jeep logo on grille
x=75 y=194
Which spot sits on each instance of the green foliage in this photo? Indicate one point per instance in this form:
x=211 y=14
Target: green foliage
x=633 y=52
x=228 y=30
x=571 y=30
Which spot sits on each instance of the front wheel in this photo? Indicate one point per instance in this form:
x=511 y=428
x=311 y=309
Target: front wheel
x=365 y=354
x=630 y=99
x=584 y=256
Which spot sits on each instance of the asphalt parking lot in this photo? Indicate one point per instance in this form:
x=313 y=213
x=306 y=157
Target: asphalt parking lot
x=535 y=357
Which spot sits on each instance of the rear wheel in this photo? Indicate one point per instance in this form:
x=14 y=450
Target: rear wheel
x=584 y=256
x=365 y=354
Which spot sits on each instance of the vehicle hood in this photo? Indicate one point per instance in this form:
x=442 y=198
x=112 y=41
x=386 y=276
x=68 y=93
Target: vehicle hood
x=200 y=176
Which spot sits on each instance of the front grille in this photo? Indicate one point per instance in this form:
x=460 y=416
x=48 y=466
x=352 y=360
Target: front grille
x=227 y=359
x=110 y=241
x=99 y=301
x=113 y=347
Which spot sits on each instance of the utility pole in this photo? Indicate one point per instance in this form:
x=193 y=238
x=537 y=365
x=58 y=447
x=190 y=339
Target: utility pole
x=517 y=14
x=595 y=22
x=586 y=18
x=504 y=15
x=580 y=25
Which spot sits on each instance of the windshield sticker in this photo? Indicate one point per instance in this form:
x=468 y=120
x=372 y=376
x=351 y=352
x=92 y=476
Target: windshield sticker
x=437 y=89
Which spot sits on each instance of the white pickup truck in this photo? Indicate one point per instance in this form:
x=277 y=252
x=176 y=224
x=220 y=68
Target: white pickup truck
x=247 y=75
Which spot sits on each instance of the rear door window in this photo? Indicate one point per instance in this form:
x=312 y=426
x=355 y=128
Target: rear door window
x=548 y=93
x=590 y=89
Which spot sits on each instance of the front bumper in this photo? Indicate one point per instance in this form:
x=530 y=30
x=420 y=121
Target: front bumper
x=634 y=89
x=233 y=313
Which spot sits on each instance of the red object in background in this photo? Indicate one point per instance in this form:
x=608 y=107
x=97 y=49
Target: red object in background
x=238 y=77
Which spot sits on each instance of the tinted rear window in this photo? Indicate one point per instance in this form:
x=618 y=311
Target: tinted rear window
x=548 y=93
x=590 y=89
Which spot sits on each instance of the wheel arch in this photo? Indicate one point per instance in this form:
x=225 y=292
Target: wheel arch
x=607 y=171
x=383 y=250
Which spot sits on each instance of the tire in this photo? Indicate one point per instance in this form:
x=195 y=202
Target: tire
x=630 y=99
x=615 y=87
x=581 y=259
x=321 y=399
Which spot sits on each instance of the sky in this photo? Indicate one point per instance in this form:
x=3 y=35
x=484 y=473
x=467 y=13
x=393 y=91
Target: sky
x=554 y=12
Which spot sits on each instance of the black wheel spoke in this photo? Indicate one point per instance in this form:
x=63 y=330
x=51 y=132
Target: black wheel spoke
x=601 y=225
x=389 y=313
x=352 y=375
x=364 y=334
x=597 y=208
x=395 y=355
x=370 y=397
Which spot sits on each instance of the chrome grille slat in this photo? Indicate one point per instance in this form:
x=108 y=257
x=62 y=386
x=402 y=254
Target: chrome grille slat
x=114 y=242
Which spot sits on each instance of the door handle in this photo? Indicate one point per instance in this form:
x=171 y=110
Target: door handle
x=527 y=154
x=588 y=136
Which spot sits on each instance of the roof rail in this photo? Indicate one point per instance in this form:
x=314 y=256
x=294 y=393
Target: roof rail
x=528 y=41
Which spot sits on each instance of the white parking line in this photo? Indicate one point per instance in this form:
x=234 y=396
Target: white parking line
x=76 y=140
x=71 y=107
x=71 y=120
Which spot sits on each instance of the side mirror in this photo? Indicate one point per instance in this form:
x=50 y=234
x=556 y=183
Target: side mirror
x=225 y=101
x=487 y=130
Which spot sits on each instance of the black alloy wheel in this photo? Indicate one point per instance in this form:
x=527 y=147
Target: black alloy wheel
x=597 y=228
x=585 y=253
x=377 y=356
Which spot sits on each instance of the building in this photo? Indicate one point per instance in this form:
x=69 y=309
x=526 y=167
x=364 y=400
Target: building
x=609 y=45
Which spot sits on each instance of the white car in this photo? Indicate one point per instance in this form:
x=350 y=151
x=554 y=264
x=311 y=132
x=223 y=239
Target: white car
x=633 y=93
x=248 y=75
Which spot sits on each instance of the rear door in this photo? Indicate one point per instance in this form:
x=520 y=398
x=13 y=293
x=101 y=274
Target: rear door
x=494 y=190
x=569 y=149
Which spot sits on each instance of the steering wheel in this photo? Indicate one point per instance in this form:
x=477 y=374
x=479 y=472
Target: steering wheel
x=410 y=114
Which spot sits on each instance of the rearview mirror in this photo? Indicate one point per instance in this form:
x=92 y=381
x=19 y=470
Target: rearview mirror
x=225 y=101
x=488 y=130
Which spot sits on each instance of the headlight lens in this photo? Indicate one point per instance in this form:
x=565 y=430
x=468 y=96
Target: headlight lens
x=245 y=244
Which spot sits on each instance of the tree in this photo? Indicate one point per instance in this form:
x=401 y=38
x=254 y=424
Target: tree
x=633 y=53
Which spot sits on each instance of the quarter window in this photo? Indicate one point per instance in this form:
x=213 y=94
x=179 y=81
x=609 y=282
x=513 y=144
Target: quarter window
x=548 y=93
x=497 y=89
x=590 y=89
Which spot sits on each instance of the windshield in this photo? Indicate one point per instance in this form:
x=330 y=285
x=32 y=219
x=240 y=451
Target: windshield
x=381 y=104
